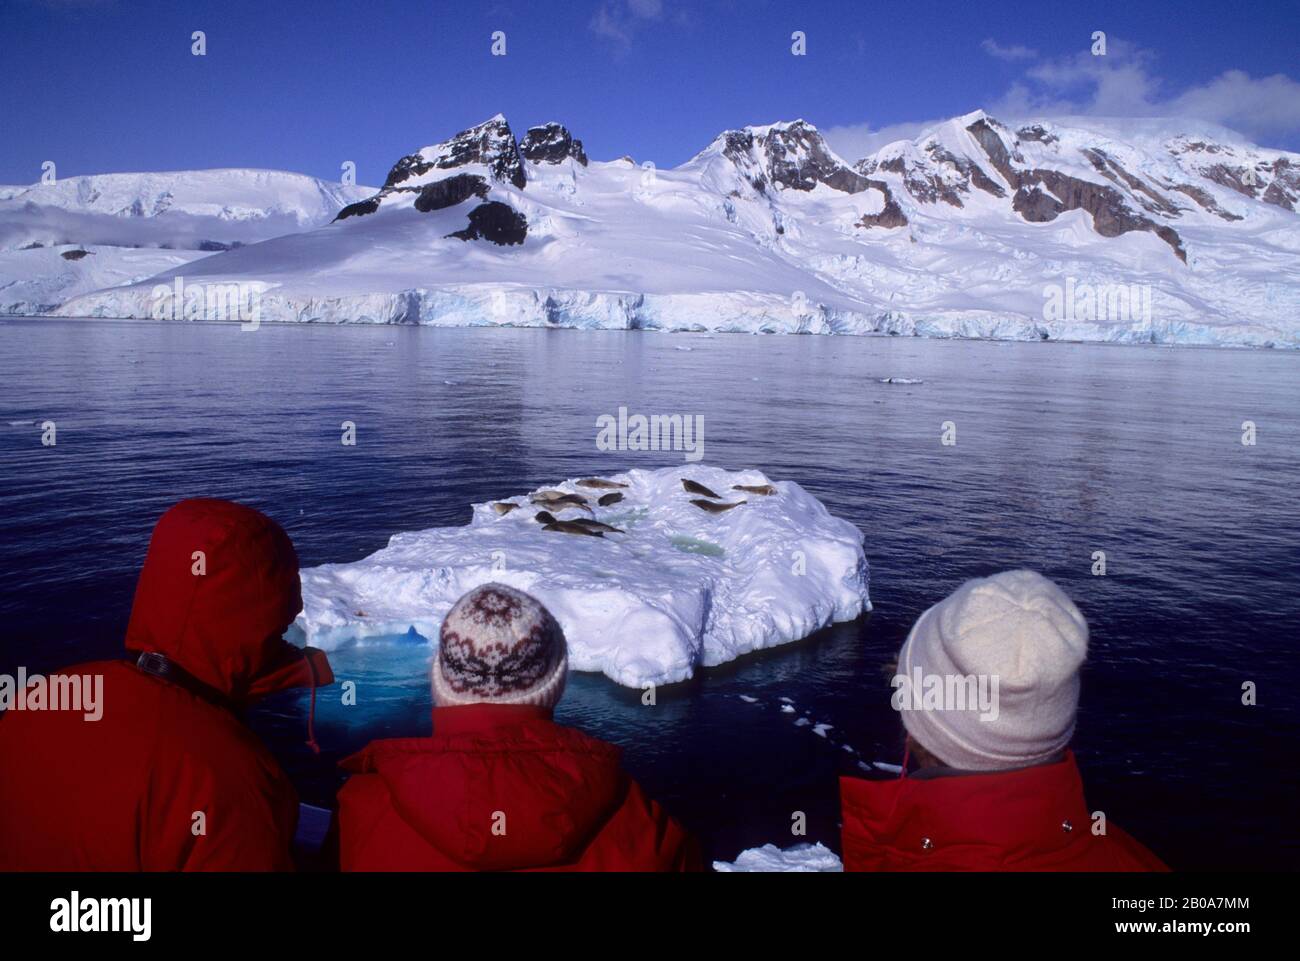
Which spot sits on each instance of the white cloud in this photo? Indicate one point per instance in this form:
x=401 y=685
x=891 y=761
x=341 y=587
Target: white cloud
x=1123 y=83
x=1013 y=52
x=646 y=9
x=619 y=20
x=1268 y=105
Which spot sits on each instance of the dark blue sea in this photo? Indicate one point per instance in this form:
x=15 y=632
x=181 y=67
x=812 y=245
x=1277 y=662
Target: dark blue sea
x=1062 y=450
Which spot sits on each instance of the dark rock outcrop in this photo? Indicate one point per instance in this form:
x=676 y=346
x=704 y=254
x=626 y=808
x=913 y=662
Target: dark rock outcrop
x=1234 y=178
x=1110 y=168
x=450 y=191
x=1036 y=206
x=1037 y=133
x=991 y=143
x=358 y=209
x=970 y=171
x=412 y=165
x=1284 y=191
x=891 y=215
x=496 y=222
x=551 y=143
x=1203 y=198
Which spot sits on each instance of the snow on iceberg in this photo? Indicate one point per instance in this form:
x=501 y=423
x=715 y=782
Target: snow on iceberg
x=677 y=587
x=802 y=858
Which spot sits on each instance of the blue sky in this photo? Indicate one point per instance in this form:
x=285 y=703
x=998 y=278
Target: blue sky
x=111 y=85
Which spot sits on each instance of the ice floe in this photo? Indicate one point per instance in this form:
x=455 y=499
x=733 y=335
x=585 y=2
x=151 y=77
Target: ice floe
x=669 y=587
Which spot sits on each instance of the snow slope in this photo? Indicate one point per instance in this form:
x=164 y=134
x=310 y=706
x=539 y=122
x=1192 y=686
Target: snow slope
x=137 y=225
x=974 y=229
x=678 y=588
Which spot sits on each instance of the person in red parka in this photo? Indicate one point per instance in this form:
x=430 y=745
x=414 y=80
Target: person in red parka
x=987 y=687
x=169 y=778
x=500 y=786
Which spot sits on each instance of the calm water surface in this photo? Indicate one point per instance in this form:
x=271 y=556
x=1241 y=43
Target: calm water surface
x=1062 y=450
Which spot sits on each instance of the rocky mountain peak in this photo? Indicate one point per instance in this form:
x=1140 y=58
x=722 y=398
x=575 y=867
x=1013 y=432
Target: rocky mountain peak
x=491 y=144
x=792 y=155
x=551 y=143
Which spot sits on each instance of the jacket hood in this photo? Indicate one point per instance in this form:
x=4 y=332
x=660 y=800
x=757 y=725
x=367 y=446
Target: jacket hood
x=499 y=787
x=218 y=589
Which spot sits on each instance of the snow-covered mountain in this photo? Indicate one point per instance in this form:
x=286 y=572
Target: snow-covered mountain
x=134 y=225
x=1080 y=229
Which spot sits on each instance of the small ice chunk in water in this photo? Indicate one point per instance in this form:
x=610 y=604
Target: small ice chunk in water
x=821 y=729
x=801 y=858
x=748 y=700
x=786 y=709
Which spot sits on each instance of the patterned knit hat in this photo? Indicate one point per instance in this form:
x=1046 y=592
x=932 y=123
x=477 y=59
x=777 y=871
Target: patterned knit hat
x=499 y=646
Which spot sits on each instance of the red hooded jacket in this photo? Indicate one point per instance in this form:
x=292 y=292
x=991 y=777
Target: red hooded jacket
x=1032 y=819
x=501 y=788
x=218 y=588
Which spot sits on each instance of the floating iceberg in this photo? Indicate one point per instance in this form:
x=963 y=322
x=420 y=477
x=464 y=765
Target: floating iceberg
x=802 y=858
x=676 y=586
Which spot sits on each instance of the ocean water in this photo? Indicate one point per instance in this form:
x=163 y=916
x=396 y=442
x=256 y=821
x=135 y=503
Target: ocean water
x=1062 y=451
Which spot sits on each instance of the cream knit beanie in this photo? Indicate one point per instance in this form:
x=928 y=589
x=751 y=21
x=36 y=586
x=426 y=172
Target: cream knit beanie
x=1020 y=636
x=499 y=646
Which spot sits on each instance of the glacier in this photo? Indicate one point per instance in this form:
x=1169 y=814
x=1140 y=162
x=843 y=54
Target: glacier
x=78 y=235
x=679 y=588
x=974 y=229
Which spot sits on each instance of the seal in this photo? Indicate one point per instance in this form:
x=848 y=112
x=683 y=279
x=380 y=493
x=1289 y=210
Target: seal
x=767 y=490
x=503 y=507
x=549 y=519
x=714 y=508
x=573 y=500
x=546 y=496
x=599 y=483
x=595 y=525
x=608 y=499
x=693 y=488
x=568 y=527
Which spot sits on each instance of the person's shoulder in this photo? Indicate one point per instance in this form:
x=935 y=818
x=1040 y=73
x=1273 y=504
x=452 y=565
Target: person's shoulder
x=553 y=734
x=382 y=750
x=1129 y=854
